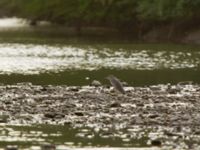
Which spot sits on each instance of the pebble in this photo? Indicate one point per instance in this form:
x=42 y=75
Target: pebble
x=11 y=147
x=115 y=104
x=156 y=143
x=50 y=115
x=4 y=118
x=96 y=83
x=78 y=113
x=48 y=147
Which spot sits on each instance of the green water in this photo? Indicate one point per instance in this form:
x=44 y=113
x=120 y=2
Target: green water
x=132 y=77
x=46 y=62
x=38 y=135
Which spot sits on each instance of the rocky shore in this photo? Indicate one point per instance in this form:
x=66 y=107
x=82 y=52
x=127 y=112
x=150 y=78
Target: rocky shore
x=173 y=110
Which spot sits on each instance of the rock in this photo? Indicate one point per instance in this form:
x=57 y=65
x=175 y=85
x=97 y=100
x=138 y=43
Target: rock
x=185 y=83
x=96 y=83
x=48 y=147
x=4 y=118
x=79 y=113
x=74 y=89
x=59 y=116
x=153 y=116
x=67 y=123
x=156 y=143
x=140 y=105
x=115 y=104
x=171 y=134
x=11 y=147
x=7 y=102
x=173 y=91
x=50 y=115
x=44 y=89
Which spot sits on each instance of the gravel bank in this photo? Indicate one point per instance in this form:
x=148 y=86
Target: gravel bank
x=173 y=111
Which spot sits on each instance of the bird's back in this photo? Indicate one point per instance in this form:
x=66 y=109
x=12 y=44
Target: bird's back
x=116 y=84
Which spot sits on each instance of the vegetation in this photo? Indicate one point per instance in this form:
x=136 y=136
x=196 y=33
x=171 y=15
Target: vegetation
x=125 y=15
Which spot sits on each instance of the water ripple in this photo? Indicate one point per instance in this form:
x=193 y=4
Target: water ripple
x=35 y=59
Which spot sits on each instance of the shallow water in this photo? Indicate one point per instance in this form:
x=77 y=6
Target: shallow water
x=38 y=58
x=65 y=136
x=80 y=64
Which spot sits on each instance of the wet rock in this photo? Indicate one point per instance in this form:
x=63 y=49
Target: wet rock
x=173 y=90
x=59 y=116
x=140 y=104
x=171 y=134
x=11 y=147
x=48 y=147
x=79 y=113
x=156 y=143
x=74 y=89
x=44 y=89
x=137 y=120
x=24 y=84
x=67 y=123
x=4 y=118
x=96 y=83
x=7 y=102
x=145 y=97
x=185 y=83
x=152 y=116
x=50 y=115
x=115 y=104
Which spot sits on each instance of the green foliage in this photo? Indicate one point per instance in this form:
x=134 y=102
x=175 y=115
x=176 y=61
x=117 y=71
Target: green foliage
x=115 y=13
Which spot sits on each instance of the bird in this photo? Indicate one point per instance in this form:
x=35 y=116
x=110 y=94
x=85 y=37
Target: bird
x=115 y=82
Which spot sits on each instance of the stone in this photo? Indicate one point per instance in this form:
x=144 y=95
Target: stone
x=48 y=147
x=156 y=143
x=79 y=113
x=50 y=115
x=96 y=83
x=11 y=147
x=115 y=104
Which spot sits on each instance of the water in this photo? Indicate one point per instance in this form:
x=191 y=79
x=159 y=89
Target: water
x=80 y=64
x=43 y=59
x=38 y=135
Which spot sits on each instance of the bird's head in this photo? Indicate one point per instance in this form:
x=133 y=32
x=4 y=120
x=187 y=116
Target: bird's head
x=109 y=77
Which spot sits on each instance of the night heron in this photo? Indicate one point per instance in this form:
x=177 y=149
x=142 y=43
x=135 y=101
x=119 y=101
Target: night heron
x=116 y=83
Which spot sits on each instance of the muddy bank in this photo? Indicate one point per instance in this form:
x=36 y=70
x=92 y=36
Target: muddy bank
x=166 y=114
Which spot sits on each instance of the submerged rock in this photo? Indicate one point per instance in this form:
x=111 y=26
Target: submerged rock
x=50 y=115
x=48 y=147
x=79 y=113
x=11 y=147
x=96 y=83
x=115 y=104
x=4 y=118
x=156 y=143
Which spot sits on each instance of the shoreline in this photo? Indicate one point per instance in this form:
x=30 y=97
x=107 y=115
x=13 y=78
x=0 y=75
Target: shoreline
x=163 y=113
x=97 y=34
x=149 y=105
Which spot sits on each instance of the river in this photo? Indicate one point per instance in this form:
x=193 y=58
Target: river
x=26 y=56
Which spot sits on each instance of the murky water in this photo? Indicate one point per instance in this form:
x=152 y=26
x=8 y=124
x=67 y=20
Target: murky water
x=75 y=64
x=78 y=63
x=65 y=136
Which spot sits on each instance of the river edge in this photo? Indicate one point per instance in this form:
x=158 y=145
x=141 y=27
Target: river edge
x=170 y=113
x=100 y=35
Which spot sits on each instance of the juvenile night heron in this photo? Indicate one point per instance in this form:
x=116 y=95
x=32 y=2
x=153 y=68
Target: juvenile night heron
x=116 y=83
